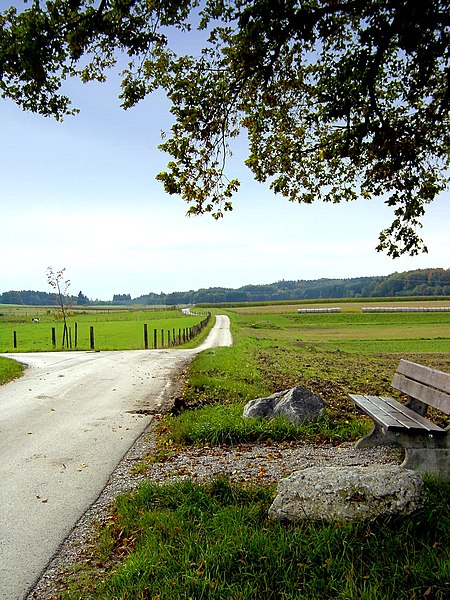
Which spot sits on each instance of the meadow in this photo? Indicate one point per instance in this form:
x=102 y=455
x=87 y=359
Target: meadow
x=114 y=329
x=333 y=354
x=214 y=541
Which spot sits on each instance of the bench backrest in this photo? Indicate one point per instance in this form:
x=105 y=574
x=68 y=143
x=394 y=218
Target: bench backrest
x=430 y=386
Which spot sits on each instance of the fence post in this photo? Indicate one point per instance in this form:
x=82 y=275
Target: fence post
x=65 y=336
x=53 y=337
x=91 y=337
x=145 y=336
x=155 y=338
x=15 y=339
x=162 y=338
x=76 y=335
x=168 y=338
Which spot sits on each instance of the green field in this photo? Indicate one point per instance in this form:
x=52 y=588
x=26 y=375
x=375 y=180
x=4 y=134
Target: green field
x=351 y=330
x=114 y=329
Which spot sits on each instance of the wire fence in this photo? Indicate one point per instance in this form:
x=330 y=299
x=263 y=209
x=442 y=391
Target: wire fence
x=152 y=338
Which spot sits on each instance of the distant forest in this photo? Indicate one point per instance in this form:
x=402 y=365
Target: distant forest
x=424 y=282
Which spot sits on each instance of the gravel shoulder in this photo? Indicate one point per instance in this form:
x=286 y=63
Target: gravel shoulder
x=265 y=463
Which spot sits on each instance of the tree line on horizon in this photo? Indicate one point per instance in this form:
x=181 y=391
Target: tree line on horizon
x=423 y=282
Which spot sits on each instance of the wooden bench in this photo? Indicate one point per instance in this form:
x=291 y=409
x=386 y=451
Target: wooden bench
x=427 y=446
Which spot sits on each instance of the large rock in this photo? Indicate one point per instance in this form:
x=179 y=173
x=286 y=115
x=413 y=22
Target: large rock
x=262 y=407
x=297 y=404
x=347 y=493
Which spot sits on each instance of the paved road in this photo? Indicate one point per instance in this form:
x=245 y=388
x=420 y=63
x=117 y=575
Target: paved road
x=64 y=427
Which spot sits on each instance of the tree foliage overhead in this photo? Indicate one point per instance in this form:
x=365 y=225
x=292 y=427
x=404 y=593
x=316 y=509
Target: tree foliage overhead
x=339 y=99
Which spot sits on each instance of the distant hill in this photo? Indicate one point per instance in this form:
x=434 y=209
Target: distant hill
x=423 y=282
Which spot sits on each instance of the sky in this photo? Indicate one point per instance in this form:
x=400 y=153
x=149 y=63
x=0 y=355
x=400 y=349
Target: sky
x=82 y=195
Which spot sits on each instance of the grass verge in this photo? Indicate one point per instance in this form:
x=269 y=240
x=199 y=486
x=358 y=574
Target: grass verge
x=181 y=541
x=10 y=369
x=224 y=425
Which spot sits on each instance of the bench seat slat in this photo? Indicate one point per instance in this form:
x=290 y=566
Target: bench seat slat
x=413 y=416
x=395 y=416
x=376 y=412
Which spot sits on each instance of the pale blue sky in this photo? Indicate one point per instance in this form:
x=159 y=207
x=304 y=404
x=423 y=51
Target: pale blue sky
x=82 y=195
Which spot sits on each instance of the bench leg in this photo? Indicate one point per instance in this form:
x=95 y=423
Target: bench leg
x=429 y=460
x=377 y=437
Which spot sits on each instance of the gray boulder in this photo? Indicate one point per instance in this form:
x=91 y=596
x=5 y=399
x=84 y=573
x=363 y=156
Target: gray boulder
x=347 y=493
x=262 y=407
x=297 y=404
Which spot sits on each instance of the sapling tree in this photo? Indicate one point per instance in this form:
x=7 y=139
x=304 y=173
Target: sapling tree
x=56 y=279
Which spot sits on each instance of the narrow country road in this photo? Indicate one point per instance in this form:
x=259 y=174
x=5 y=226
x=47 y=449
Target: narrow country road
x=64 y=427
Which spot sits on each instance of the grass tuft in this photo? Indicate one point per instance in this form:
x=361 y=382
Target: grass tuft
x=224 y=425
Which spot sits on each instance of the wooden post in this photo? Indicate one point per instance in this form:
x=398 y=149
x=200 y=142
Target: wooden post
x=162 y=338
x=54 y=337
x=70 y=338
x=168 y=338
x=65 y=338
x=91 y=336
x=155 y=338
x=145 y=336
x=76 y=335
x=15 y=339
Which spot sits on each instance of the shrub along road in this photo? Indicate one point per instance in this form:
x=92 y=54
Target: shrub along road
x=64 y=427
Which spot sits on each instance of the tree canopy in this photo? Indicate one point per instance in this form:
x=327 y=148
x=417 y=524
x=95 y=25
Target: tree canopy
x=339 y=99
